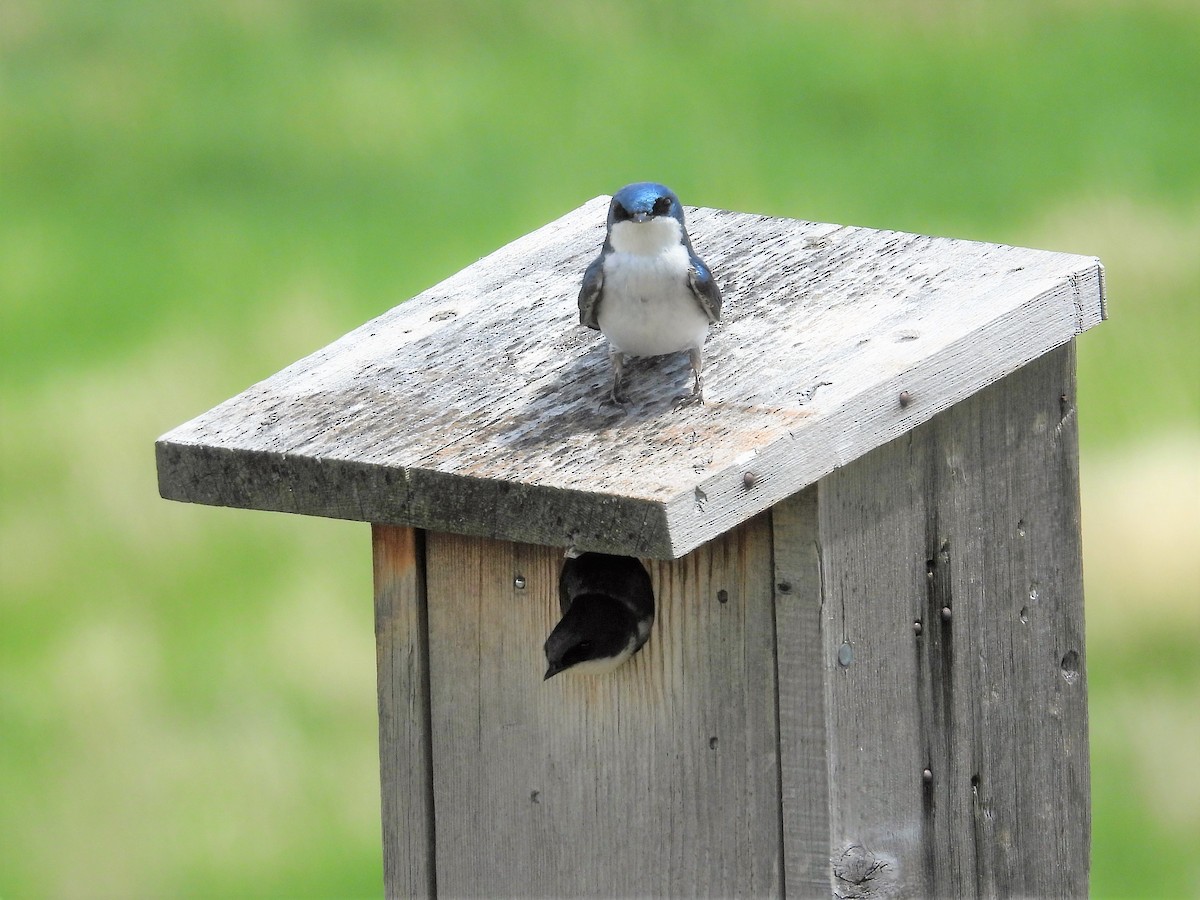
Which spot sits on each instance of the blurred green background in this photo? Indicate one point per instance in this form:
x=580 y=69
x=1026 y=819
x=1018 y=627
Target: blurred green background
x=193 y=195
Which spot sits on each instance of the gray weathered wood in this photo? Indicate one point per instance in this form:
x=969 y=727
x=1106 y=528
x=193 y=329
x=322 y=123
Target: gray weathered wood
x=801 y=664
x=975 y=513
x=404 y=745
x=476 y=406
x=658 y=780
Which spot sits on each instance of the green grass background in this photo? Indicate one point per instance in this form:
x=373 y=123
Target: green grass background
x=193 y=195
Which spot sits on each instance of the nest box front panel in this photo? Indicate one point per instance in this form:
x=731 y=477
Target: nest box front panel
x=660 y=778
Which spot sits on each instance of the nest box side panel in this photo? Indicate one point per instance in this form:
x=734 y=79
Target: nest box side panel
x=404 y=746
x=953 y=648
x=659 y=779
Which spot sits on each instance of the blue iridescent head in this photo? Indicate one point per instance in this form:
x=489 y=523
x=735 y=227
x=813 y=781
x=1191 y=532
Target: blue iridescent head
x=644 y=200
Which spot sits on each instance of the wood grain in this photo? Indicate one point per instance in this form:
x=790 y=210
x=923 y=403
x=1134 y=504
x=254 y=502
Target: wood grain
x=476 y=407
x=801 y=661
x=968 y=526
x=658 y=780
x=405 y=765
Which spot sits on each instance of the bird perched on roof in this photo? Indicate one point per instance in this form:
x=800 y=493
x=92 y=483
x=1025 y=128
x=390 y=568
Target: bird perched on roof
x=607 y=605
x=648 y=291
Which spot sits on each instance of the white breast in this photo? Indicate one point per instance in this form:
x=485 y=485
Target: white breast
x=604 y=666
x=647 y=308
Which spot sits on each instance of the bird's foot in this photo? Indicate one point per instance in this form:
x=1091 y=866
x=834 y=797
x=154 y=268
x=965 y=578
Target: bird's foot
x=616 y=394
x=616 y=398
x=696 y=397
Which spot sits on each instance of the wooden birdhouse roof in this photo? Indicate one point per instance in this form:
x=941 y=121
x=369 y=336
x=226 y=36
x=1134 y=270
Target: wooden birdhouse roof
x=478 y=406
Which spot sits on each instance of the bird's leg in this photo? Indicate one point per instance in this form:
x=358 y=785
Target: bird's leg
x=617 y=358
x=696 y=355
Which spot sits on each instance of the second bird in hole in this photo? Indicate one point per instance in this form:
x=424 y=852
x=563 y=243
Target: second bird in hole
x=607 y=605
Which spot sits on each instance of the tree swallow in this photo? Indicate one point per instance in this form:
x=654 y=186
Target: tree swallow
x=607 y=604
x=647 y=291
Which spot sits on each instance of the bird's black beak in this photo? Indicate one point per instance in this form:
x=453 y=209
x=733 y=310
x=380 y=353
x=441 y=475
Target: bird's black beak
x=552 y=671
x=640 y=216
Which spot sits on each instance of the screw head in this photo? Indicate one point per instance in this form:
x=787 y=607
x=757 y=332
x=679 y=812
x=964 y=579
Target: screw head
x=519 y=582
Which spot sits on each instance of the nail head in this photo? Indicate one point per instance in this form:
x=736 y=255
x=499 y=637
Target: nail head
x=905 y=398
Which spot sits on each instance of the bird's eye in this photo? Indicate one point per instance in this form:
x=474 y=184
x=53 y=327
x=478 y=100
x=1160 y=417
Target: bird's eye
x=620 y=213
x=662 y=206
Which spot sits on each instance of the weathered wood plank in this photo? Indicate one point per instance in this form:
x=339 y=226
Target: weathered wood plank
x=404 y=740
x=660 y=779
x=476 y=406
x=801 y=665
x=951 y=563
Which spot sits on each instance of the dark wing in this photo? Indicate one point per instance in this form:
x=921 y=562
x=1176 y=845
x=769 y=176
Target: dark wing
x=704 y=288
x=589 y=293
x=623 y=577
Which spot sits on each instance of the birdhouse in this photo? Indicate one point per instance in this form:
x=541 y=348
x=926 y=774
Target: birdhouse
x=866 y=676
